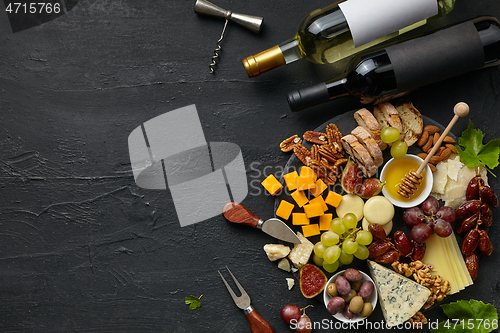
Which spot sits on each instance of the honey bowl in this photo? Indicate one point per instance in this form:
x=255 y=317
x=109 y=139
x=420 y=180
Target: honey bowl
x=395 y=170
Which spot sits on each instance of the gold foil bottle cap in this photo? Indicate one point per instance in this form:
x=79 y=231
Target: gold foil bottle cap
x=264 y=61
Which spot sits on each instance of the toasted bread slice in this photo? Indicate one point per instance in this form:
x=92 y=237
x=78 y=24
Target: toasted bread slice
x=359 y=154
x=365 y=119
x=412 y=122
x=387 y=115
x=365 y=138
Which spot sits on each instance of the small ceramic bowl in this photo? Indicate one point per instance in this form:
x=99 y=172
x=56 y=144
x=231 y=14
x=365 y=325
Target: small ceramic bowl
x=415 y=200
x=340 y=315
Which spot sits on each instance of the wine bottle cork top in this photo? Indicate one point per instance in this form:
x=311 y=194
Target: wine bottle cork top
x=264 y=61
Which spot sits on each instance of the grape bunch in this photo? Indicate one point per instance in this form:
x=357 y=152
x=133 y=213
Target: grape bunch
x=384 y=251
x=428 y=218
x=341 y=243
x=390 y=135
x=475 y=217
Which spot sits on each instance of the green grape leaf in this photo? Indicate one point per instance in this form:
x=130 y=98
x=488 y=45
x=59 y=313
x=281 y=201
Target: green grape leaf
x=468 y=316
x=474 y=153
x=194 y=302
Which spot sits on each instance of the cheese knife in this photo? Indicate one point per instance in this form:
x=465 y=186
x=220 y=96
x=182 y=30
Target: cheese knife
x=237 y=213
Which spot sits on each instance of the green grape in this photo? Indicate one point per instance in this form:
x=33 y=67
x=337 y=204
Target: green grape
x=362 y=252
x=349 y=246
x=318 y=261
x=319 y=249
x=329 y=238
x=337 y=226
x=350 y=220
x=364 y=237
x=331 y=254
x=330 y=268
x=346 y=258
x=399 y=149
x=389 y=134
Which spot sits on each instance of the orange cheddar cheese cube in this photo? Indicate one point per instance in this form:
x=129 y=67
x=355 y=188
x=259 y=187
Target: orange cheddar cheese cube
x=321 y=201
x=319 y=187
x=306 y=171
x=272 y=185
x=284 y=209
x=291 y=180
x=324 y=221
x=300 y=198
x=299 y=219
x=310 y=230
x=333 y=199
x=305 y=183
x=313 y=209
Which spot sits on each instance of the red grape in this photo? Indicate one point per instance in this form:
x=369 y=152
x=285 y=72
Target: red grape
x=442 y=228
x=304 y=325
x=447 y=213
x=290 y=312
x=421 y=232
x=430 y=206
x=413 y=216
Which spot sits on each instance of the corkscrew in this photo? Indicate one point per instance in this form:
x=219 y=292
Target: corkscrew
x=412 y=179
x=252 y=23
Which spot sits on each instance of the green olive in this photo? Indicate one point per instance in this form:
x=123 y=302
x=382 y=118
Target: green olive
x=331 y=289
x=367 y=309
x=356 y=304
x=349 y=296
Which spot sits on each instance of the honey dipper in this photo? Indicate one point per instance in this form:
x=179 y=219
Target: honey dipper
x=412 y=179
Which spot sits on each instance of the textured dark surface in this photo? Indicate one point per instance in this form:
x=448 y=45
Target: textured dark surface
x=82 y=248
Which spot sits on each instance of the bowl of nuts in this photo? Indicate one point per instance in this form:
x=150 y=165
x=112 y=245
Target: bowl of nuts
x=350 y=295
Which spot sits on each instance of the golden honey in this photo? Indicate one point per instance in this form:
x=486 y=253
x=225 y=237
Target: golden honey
x=395 y=172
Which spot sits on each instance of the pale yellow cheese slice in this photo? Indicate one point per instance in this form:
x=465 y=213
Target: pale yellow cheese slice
x=436 y=255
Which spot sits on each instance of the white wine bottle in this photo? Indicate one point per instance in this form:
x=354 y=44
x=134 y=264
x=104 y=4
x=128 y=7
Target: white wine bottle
x=400 y=68
x=339 y=31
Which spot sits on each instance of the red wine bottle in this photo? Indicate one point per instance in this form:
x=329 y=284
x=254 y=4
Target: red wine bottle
x=398 y=69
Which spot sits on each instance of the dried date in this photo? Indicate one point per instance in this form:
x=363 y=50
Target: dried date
x=468 y=223
x=377 y=231
x=486 y=215
x=472 y=191
x=485 y=245
x=470 y=242
x=472 y=264
x=378 y=248
x=388 y=258
x=418 y=251
x=468 y=208
x=403 y=243
x=488 y=196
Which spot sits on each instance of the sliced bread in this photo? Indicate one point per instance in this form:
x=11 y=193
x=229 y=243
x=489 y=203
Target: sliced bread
x=365 y=138
x=365 y=119
x=387 y=115
x=412 y=122
x=359 y=154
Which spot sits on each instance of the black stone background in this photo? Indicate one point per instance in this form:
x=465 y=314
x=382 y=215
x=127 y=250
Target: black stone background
x=82 y=248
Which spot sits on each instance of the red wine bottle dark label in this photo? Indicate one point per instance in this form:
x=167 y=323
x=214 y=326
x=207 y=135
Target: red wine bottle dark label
x=437 y=57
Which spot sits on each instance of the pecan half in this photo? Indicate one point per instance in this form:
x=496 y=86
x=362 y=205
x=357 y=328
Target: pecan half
x=288 y=144
x=333 y=136
x=316 y=137
x=303 y=154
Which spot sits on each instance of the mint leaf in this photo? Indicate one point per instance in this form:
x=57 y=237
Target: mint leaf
x=474 y=153
x=468 y=316
x=194 y=302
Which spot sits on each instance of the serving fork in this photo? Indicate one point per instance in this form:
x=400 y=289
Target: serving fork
x=257 y=323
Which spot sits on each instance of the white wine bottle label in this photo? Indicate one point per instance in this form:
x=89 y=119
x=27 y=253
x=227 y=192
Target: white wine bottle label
x=436 y=57
x=369 y=19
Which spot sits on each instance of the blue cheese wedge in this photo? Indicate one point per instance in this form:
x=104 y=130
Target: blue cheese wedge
x=399 y=297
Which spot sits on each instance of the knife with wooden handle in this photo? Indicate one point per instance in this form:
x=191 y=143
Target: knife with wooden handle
x=237 y=213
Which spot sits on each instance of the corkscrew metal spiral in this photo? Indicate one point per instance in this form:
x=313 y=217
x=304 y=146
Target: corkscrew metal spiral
x=252 y=23
x=217 y=49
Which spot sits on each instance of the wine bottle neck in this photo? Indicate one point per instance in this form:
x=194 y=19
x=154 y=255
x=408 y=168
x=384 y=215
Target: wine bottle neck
x=291 y=50
x=264 y=61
